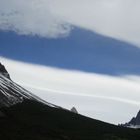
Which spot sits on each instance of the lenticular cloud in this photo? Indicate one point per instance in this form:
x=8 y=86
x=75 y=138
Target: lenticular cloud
x=114 y=18
x=31 y=17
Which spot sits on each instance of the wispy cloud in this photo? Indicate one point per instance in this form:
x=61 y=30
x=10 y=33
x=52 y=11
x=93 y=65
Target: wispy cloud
x=49 y=18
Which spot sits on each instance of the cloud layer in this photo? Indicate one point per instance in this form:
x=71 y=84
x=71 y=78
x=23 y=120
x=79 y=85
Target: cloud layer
x=50 y=18
x=31 y=17
x=115 y=18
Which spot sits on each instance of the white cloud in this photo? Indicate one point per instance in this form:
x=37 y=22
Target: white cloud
x=31 y=17
x=115 y=18
x=48 y=18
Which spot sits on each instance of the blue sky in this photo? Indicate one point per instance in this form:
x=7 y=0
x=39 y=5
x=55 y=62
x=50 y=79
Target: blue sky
x=82 y=50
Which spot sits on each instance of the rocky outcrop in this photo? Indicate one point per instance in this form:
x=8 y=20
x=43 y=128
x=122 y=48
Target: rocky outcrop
x=134 y=122
x=74 y=110
x=12 y=93
x=3 y=71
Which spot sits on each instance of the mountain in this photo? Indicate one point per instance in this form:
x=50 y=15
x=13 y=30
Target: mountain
x=25 y=116
x=134 y=122
x=4 y=72
x=12 y=93
x=81 y=50
x=73 y=109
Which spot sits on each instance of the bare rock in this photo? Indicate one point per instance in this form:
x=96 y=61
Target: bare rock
x=74 y=110
x=3 y=71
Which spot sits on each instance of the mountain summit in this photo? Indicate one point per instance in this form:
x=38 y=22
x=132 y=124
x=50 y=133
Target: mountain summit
x=11 y=93
x=3 y=71
x=134 y=122
x=74 y=110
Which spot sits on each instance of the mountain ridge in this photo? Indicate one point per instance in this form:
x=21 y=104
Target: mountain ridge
x=3 y=71
x=134 y=122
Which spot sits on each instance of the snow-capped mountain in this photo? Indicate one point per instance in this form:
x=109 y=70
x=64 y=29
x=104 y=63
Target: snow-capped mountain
x=11 y=93
x=3 y=71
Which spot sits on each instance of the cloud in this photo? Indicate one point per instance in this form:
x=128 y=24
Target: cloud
x=115 y=18
x=52 y=18
x=31 y=17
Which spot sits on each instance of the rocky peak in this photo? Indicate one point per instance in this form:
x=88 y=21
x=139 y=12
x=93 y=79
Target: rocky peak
x=74 y=110
x=3 y=71
x=134 y=122
x=12 y=93
x=137 y=119
x=138 y=115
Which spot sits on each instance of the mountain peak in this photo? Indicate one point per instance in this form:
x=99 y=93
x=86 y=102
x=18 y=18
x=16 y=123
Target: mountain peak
x=138 y=114
x=134 y=122
x=74 y=110
x=3 y=71
x=12 y=93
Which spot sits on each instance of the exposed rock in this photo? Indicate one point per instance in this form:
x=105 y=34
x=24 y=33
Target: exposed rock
x=12 y=93
x=134 y=122
x=74 y=110
x=3 y=71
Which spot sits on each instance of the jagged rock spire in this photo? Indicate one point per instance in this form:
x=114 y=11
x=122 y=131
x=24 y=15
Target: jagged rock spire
x=3 y=71
x=74 y=110
x=134 y=122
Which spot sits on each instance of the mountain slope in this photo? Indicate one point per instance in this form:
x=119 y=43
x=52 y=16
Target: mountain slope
x=134 y=122
x=12 y=93
x=33 y=118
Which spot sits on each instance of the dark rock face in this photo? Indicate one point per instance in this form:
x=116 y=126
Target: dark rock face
x=12 y=93
x=135 y=120
x=3 y=71
x=74 y=110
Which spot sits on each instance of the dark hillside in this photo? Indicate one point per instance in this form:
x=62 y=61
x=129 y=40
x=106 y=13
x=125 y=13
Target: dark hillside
x=34 y=120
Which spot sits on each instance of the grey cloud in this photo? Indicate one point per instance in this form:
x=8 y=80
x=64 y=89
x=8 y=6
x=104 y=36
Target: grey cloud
x=115 y=18
x=31 y=17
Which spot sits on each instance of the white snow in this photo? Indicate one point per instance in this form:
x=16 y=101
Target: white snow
x=134 y=126
x=107 y=98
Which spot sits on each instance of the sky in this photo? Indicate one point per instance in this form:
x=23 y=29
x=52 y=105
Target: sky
x=56 y=18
